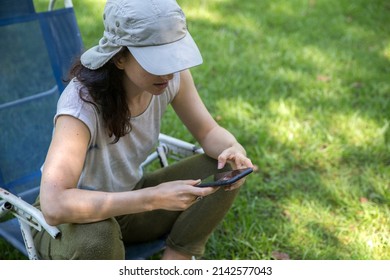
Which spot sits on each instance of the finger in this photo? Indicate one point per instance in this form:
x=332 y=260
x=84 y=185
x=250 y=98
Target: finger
x=238 y=160
x=189 y=182
x=248 y=163
x=195 y=182
x=204 y=191
x=235 y=185
x=223 y=158
x=199 y=196
x=221 y=162
x=242 y=161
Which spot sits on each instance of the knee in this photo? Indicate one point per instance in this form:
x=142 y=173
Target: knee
x=101 y=240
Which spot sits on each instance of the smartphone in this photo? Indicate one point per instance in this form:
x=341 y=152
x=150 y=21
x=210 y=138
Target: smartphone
x=224 y=178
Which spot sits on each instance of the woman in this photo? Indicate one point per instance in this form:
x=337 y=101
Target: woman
x=108 y=120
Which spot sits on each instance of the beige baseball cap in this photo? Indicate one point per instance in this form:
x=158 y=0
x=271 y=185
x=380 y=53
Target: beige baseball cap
x=155 y=32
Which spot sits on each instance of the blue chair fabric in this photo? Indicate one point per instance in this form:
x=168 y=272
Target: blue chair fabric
x=36 y=52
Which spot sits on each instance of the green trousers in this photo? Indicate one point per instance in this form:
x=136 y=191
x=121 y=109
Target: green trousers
x=187 y=231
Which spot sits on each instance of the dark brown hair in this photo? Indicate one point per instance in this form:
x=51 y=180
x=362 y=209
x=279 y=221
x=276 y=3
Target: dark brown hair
x=105 y=86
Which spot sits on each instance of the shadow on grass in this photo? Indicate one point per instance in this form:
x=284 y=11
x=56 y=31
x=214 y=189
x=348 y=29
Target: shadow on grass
x=329 y=60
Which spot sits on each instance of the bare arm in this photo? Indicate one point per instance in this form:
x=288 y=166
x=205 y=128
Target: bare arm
x=63 y=202
x=215 y=140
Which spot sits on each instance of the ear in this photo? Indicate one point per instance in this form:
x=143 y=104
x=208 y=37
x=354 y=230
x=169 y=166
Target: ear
x=120 y=61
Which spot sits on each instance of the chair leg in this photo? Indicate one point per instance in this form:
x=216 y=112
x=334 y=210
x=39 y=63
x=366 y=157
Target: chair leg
x=28 y=240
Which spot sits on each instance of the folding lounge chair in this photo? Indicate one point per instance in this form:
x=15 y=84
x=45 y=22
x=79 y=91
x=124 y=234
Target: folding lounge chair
x=36 y=51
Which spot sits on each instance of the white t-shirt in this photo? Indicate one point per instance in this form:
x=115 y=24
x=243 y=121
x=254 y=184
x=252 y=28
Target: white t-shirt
x=116 y=167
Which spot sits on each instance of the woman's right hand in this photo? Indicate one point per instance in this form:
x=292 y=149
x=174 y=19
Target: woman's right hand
x=179 y=195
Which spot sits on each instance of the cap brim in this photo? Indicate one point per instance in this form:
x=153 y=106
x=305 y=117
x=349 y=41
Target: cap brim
x=168 y=58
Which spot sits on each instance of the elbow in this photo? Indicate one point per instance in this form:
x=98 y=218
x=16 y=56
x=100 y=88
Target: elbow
x=51 y=215
x=51 y=219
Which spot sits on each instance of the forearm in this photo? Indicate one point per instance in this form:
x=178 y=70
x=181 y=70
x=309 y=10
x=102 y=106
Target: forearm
x=219 y=139
x=84 y=206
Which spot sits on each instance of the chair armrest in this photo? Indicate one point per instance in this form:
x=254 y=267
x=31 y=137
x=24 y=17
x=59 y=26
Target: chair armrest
x=178 y=146
x=25 y=212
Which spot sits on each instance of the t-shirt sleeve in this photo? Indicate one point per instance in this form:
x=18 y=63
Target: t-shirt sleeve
x=173 y=87
x=71 y=104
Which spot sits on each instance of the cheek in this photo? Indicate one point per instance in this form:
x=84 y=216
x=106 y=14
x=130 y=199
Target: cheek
x=143 y=80
x=137 y=74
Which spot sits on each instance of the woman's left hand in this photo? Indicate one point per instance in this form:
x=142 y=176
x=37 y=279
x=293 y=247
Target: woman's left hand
x=238 y=160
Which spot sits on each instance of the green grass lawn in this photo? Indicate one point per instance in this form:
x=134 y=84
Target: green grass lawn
x=305 y=86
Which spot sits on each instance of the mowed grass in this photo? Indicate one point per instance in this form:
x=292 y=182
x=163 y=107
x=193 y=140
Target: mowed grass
x=305 y=87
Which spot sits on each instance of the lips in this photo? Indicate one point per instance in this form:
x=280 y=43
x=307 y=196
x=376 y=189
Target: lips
x=161 y=85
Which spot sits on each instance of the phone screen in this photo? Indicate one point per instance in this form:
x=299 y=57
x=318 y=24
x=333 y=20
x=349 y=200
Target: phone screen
x=225 y=178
